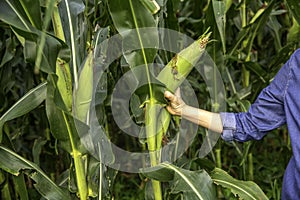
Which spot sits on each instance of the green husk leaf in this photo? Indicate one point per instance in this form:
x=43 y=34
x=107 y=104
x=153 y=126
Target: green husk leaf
x=64 y=83
x=175 y=72
x=83 y=95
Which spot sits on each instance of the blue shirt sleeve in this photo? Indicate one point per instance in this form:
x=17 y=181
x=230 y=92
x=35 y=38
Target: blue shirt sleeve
x=265 y=114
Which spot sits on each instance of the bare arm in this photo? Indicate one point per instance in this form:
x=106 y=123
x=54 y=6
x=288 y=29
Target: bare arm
x=201 y=117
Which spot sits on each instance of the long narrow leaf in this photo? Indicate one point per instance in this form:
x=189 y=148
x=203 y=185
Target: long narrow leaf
x=15 y=164
x=219 y=9
x=70 y=13
x=27 y=103
x=11 y=14
x=194 y=184
x=242 y=189
x=33 y=11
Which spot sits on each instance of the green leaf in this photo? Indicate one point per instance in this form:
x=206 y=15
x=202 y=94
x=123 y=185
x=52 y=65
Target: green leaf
x=37 y=149
x=32 y=10
x=55 y=117
x=15 y=164
x=294 y=32
x=9 y=52
x=130 y=19
x=159 y=172
x=11 y=12
x=28 y=102
x=151 y=5
x=260 y=22
x=294 y=7
x=30 y=34
x=219 y=8
x=242 y=189
x=74 y=28
x=257 y=69
x=193 y=184
x=63 y=126
x=20 y=186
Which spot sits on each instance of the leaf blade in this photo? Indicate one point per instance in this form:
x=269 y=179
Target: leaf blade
x=15 y=164
x=245 y=189
x=28 y=102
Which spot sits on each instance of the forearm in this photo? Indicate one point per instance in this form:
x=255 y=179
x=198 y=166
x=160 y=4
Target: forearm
x=203 y=118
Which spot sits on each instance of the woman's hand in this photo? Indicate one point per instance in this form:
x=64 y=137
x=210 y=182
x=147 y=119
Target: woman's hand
x=177 y=105
x=198 y=116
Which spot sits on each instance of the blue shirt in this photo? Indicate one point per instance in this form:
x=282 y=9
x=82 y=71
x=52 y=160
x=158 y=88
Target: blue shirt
x=277 y=104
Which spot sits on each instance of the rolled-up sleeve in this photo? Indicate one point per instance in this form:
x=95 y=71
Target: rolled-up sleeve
x=229 y=125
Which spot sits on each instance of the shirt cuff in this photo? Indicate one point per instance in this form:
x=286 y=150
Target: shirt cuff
x=229 y=126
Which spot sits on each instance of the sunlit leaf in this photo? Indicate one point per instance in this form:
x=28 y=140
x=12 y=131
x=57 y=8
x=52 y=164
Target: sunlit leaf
x=151 y=5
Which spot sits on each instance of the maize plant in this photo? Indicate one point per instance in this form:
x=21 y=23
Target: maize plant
x=61 y=63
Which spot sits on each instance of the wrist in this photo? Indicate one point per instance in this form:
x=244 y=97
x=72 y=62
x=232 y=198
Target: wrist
x=190 y=113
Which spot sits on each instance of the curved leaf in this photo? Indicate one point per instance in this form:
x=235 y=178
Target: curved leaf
x=15 y=164
x=27 y=103
x=243 y=189
x=194 y=184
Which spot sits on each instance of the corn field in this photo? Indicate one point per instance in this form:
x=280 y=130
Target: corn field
x=82 y=107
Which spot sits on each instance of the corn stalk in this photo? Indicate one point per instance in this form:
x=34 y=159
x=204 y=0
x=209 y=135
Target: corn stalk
x=64 y=86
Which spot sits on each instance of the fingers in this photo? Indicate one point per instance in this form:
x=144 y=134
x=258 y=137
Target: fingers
x=176 y=104
x=170 y=110
x=169 y=96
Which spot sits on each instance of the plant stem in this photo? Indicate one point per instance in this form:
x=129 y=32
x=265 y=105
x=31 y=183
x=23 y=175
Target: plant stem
x=244 y=14
x=76 y=154
x=151 y=114
x=250 y=166
x=79 y=168
x=218 y=157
